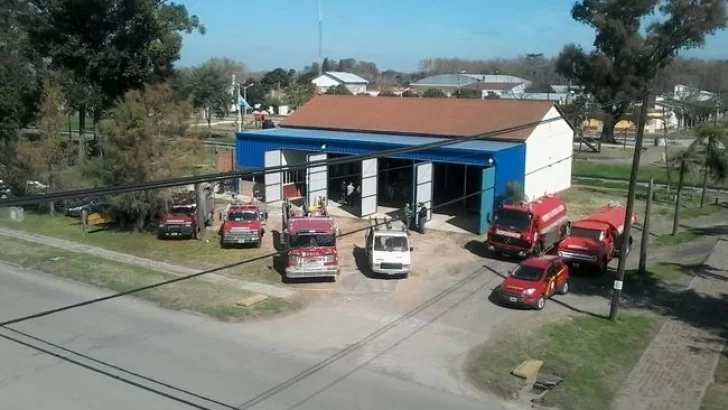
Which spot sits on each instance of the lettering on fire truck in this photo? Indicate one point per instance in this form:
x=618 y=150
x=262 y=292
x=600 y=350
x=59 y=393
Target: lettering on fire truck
x=548 y=215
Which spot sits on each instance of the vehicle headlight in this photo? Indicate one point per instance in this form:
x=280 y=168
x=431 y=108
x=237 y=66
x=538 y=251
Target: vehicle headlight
x=188 y=223
x=561 y=254
x=162 y=225
x=529 y=292
x=329 y=259
x=295 y=259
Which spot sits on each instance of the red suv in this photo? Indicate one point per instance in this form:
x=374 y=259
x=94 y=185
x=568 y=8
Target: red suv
x=534 y=280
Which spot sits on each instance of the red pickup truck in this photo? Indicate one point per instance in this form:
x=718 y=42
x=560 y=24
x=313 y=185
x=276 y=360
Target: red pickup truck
x=534 y=281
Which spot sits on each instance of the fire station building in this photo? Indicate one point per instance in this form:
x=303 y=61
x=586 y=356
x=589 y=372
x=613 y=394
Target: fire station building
x=525 y=142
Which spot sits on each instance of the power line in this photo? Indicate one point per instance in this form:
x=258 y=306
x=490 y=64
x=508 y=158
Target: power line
x=167 y=183
x=115 y=367
x=129 y=292
x=104 y=372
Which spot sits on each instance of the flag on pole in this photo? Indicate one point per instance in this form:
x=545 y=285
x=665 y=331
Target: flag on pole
x=242 y=103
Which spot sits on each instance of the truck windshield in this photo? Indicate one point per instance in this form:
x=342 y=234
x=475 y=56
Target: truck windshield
x=512 y=219
x=587 y=233
x=242 y=216
x=386 y=243
x=527 y=273
x=187 y=210
x=312 y=239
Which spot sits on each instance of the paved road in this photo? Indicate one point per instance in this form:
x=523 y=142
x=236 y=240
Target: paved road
x=234 y=364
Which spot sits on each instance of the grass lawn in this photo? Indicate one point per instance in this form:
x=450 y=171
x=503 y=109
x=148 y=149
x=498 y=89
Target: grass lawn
x=716 y=397
x=195 y=295
x=679 y=239
x=188 y=253
x=594 y=169
x=592 y=354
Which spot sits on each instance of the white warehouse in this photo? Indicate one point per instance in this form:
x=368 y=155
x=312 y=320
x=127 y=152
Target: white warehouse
x=331 y=79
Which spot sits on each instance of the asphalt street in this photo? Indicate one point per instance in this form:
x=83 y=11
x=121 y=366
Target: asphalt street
x=245 y=366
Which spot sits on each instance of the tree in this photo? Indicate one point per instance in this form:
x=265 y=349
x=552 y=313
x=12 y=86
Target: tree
x=298 y=94
x=255 y=94
x=110 y=45
x=627 y=56
x=340 y=89
x=491 y=96
x=277 y=79
x=18 y=98
x=45 y=154
x=539 y=88
x=711 y=143
x=230 y=67
x=387 y=93
x=514 y=193
x=434 y=93
x=409 y=94
x=685 y=162
x=209 y=88
x=468 y=94
x=142 y=145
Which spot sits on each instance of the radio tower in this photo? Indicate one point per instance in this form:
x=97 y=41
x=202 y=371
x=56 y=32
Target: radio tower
x=320 y=38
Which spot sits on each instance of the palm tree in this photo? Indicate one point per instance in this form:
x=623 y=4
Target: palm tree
x=685 y=162
x=711 y=143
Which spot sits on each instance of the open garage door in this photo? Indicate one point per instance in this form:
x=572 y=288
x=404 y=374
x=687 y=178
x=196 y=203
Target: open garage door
x=317 y=178
x=273 y=189
x=487 y=199
x=369 y=186
x=423 y=187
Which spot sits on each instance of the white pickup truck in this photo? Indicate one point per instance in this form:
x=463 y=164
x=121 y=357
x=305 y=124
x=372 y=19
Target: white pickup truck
x=388 y=248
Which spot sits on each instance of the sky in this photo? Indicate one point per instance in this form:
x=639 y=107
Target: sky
x=395 y=34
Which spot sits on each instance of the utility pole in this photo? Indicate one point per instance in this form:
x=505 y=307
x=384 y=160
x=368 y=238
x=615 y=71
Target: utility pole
x=619 y=282
x=646 y=228
x=717 y=110
x=320 y=38
x=239 y=116
x=201 y=211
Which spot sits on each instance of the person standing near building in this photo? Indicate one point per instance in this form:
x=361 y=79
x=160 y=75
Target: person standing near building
x=349 y=193
x=422 y=217
x=407 y=215
x=357 y=196
x=343 y=192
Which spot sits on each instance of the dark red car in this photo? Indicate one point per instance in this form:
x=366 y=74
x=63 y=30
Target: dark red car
x=534 y=280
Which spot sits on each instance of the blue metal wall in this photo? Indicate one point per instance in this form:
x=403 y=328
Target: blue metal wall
x=251 y=148
x=509 y=163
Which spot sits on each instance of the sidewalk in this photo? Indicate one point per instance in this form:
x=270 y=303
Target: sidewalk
x=269 y=290
x=678 y=366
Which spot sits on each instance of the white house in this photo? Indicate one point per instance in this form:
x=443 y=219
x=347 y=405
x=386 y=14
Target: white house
x=329 y=79
x=684 y=92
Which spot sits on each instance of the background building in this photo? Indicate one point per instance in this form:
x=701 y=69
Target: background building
x=330 y=79
x=449 y=83
x=535 y=156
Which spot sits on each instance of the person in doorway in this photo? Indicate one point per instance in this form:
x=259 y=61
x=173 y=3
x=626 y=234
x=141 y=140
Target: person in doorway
x=343 y=192
x=407 y=215
x=349 y=193
x=357 y=196
x=421 y=217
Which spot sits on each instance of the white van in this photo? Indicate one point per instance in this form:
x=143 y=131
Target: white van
x=388 y=248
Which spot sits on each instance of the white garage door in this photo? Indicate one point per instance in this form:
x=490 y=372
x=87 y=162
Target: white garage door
x=317 y=178
x=369 y=187
x=423 y=186
x=272 y=180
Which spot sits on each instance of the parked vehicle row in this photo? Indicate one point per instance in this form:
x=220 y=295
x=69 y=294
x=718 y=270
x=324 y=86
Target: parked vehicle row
x=531 y=230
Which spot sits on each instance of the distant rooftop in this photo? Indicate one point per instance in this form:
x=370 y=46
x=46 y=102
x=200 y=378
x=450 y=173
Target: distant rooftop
x=453 y=80
x=346 y=78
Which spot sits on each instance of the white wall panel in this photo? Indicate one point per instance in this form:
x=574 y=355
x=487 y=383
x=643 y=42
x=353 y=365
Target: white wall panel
x=549 y=153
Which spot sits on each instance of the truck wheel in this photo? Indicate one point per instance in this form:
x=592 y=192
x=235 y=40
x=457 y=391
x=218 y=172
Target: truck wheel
x=603 y=266
x=541 y=303
x=564 y=289
x=258 y=244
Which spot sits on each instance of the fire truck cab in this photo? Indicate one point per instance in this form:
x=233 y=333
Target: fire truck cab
x=309 y=237
x=180 y=222
x=242 y=226
x=527 y=229
x=388 y=248
x=596 y=239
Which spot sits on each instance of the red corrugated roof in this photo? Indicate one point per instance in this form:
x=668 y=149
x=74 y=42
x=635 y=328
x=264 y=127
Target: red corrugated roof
x=441 y=117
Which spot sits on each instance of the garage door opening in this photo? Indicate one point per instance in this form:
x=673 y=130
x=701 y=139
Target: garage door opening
x=395 y=182
x=457 y=195
x=341 y=176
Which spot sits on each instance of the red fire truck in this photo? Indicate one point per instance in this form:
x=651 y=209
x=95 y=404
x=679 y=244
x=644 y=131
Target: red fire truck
x=180 y=222
x=596 y=239
x=309 y=236
x=528 y=228
x=242 y=226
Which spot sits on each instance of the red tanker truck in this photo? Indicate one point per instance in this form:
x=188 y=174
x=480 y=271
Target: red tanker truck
x=596 y=239
x=526 y=229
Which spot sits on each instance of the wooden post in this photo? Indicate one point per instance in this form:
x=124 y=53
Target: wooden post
x=201 y=211
x=84 y=222
x=646 y=228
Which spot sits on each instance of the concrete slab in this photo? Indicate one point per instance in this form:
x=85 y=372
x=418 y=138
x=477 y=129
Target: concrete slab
x=252 y=300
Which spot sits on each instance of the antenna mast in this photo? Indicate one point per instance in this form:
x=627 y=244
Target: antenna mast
x=320 y=38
